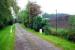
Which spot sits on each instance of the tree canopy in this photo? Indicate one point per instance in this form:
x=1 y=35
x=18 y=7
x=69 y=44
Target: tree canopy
x=5 y=10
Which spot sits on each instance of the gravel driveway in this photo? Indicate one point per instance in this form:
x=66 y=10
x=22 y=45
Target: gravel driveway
x=27 y=41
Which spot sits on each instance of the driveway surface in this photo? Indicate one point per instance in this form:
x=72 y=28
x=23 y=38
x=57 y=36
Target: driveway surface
x=28 y=41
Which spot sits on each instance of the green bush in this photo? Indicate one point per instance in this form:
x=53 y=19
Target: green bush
x=62 y=33
x=59 y=32
x=71 y=37
x=10 y=22
x=66 y=34
x=46 y=30
x=41 y=23
x=37 y=23
x=1 y=25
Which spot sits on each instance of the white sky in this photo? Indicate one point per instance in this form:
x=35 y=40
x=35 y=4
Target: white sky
x=49 y=6
x=22 y=3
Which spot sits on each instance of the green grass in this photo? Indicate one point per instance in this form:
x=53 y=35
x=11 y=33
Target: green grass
x=7 y=38
x=59 y=30
x=57 y=41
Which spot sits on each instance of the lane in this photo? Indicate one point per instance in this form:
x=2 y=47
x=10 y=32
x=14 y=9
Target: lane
x=22 y=41
x=27 y=41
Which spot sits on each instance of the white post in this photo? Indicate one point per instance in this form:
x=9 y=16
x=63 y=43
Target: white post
x=40 y=31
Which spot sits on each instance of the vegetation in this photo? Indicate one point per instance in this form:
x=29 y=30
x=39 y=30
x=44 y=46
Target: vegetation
x=23 y=17
x=72 y=28
x=39 y=23
x=6 y=17
x=7 y=38
x=31 y=18
x=60 y=42
x=34 y=11
x=68 y=32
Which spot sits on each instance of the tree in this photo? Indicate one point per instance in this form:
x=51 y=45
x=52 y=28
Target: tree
x=15 y=7
x=34 y=10
x=41 y=23
x=5 y=12
x=37 y=24
x=23 y=16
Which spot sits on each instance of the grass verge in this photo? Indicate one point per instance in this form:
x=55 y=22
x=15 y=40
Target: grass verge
x=7 y=38
x=62 y=43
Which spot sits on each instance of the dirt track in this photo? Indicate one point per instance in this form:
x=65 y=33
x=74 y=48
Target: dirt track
x=27 y=41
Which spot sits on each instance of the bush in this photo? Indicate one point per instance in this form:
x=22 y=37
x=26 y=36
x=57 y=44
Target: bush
x=71 y=37
x=62 y=33
x=1 y=25
x=5 y=23
x=10 y=22
x=59 y=32
x=66 y=34
x=37 y=23
x=47 y=30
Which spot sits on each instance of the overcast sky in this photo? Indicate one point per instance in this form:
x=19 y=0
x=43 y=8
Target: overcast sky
x=22 y=3
x=49 y=6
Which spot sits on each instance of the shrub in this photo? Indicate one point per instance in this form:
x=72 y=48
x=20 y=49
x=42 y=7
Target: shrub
x=37 y=23
x=40 y=23
x=59 y=32
x=1 y=25
x=10 y=22
x=62 y=33
x=71 y=37
x=46 y=30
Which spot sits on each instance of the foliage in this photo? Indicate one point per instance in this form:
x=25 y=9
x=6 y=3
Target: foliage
x=31 y=18
x=5 y=12
x=47 y=30
x=27 y=16
x=60 y=42
x=22 y=16
x=59 y=32
x=72 y=28
x=72 y=24
x=41 y=23
x=66 y=33
x=37 y=23
x=34 y=9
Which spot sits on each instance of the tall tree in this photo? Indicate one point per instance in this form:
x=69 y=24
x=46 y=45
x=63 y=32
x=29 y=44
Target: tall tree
x=34 y=10
x=5 y=11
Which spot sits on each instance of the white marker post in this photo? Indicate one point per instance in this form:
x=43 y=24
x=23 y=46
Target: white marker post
x=40 y=31
x=11 y=30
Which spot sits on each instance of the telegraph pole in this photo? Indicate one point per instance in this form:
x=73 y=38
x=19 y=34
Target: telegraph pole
x=56 y=20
